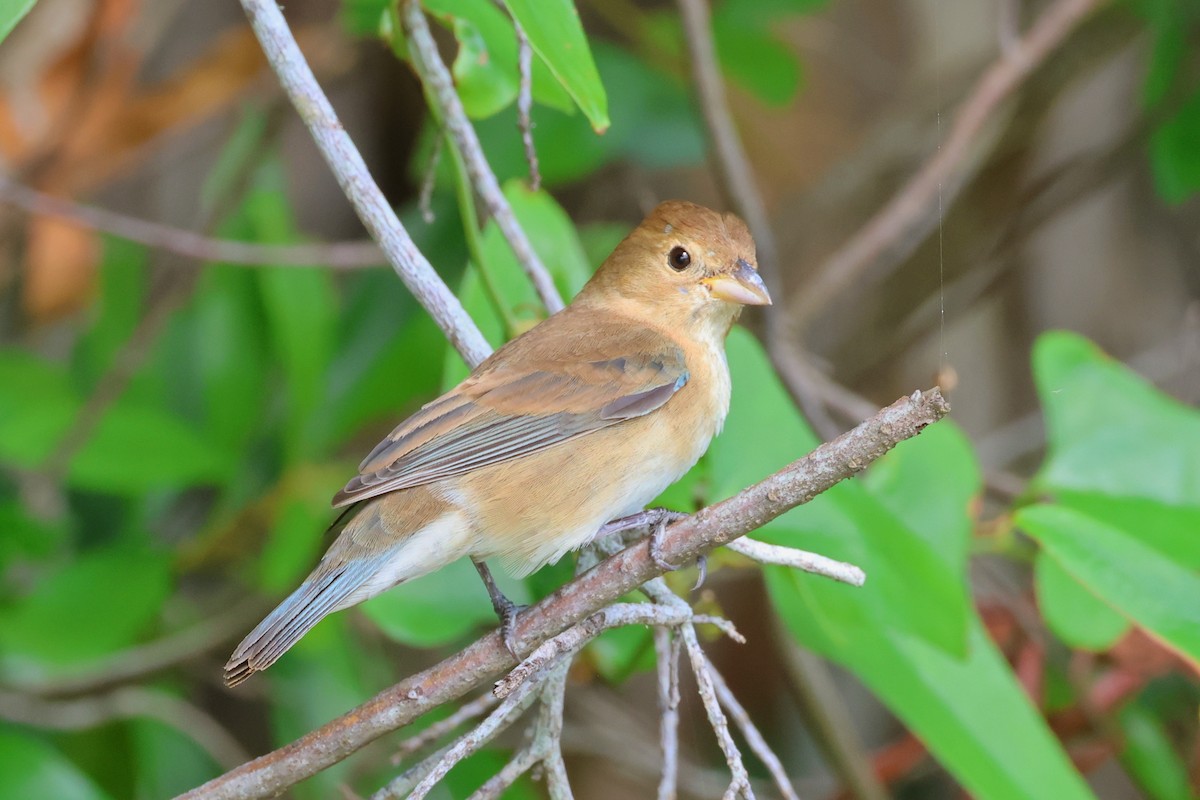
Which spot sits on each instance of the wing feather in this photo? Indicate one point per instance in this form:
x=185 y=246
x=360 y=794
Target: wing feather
x=528 y=396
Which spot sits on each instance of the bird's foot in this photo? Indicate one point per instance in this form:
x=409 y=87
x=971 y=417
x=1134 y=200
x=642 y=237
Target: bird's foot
x=648 y=518
x=656 y=535
x=505 y=609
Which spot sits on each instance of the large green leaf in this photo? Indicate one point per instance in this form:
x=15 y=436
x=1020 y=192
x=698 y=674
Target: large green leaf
x=971 y=713
x=29 y=430
x=136 y=448
x=12 y=12
x=94 y=605
x=556 y=35
x=1151 y=589
x=1149 y=755
x=29 y=767
x=301 y=311
x=915 y=579
x=1080 y=618
x=1110 y=432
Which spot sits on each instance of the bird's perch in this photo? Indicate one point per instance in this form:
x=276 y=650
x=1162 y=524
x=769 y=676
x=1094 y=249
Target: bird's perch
x=487 y=658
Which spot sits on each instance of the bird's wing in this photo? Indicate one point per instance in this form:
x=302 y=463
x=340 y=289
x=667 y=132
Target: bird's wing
x=574 y=374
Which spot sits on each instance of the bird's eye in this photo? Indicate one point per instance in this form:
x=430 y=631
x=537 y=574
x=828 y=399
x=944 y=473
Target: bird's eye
x=679 y=259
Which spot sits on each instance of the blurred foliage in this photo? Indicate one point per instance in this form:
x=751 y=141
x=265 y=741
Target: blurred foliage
x=198 y=491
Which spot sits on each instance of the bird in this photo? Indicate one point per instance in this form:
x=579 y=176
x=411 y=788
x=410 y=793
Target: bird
x=582 y=420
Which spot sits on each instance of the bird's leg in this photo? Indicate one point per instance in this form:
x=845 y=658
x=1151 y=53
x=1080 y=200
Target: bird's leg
x=505 y=609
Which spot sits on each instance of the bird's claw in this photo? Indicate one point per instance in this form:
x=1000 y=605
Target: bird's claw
x=508 y=627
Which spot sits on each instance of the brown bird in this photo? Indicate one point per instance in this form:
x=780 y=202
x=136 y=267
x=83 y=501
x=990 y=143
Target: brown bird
x=584 y=419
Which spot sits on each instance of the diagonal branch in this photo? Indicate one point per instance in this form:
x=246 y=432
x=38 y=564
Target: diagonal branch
x=436 y=77
x=899 y=227
x=487 y=658
x=338 y=255
x=348 y=167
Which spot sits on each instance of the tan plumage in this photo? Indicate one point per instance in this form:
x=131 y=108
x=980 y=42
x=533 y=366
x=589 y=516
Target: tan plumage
x=585 y=418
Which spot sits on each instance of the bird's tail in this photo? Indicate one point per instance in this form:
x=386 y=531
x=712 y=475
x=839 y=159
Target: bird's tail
x=324 y=592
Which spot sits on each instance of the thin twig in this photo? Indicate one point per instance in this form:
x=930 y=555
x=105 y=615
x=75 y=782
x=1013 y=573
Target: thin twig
x=351 y=173
x=145 y=659
x=754 y=738
x=434 y=74
x=337 y=255
x=443 y=726
x=765 y=553
x=574 y=638
x=485 y=659
x=430 y=771
x=898 y=228
x=125 y=703
x=525 y=104
x=666 y=649
x=740 y=785
x=735 y=179
x=429 y=181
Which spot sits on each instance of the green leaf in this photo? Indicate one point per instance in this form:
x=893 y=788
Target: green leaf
x=95 y=605
x=12 y=12
x=1108 y=431
x=29 y=431
x=122 y=290
x=485 y=68
x=915 y=581
x=1149 y=756
x=301 y=311
x=439 y=608
x=29 y=767
x=556 y=35
x=971 y=713
x=168 y=763
x=137 y=448
x=1151 y=589
x=1077 y=616
x=1175 y=153
x=228 y=353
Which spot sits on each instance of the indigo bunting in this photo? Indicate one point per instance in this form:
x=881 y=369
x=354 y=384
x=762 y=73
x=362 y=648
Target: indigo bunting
x=583 y=419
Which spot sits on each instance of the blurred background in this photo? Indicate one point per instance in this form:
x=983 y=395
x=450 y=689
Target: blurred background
x=172 y=425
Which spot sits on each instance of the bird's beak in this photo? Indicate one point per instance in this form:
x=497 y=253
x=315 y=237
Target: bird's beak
x=742 y=286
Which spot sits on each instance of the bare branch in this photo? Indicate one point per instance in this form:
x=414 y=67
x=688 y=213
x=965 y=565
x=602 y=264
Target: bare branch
x=430 y=771
x=525 y=104
x=799 y=559
x=145 y=659
x=716 y=718
x=753 y=737
x=425 y=197
x=440 y=728
x=351 y=172
x=573 y=639
x=487 y=658
x=339 y=255
x=125 y=703
x=666 y=649
x=899 y=227
x=434 y=74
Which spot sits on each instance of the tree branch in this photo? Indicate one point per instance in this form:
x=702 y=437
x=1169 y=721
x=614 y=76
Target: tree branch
x=348 y=167
x=487 y=658
x=898 y=228
x=337 y=255
x=434 y=74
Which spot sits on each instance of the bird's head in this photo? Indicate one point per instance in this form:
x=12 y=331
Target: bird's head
x=686 y=265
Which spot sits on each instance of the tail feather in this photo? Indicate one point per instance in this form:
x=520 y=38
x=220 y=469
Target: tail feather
x=319 y=595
